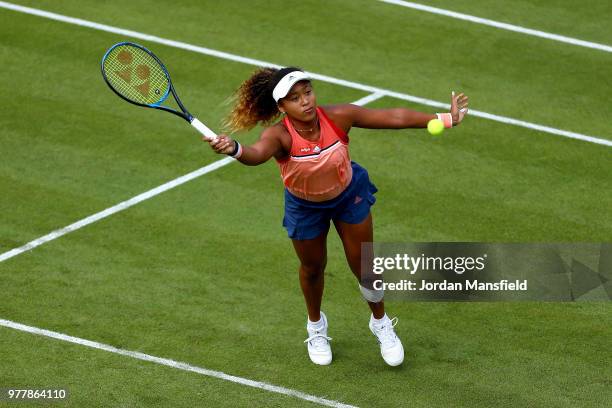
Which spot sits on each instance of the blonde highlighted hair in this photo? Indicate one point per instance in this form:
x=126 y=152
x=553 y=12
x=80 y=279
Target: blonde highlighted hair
x=253 y=101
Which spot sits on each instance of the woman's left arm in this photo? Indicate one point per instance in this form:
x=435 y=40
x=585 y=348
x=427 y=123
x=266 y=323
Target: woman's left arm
x=399 y=118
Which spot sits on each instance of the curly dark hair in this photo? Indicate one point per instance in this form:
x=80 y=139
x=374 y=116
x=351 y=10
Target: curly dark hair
x=253 y=101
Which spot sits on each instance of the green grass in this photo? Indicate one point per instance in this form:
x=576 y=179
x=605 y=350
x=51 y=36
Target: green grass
x=205 y=274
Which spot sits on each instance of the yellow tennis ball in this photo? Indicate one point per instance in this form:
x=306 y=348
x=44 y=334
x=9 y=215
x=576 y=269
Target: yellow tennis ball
x=435 y=127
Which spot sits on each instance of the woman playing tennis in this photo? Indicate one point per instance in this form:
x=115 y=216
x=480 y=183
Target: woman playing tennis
x=322 y=185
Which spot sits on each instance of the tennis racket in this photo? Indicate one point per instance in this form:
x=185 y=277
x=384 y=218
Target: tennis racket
x=138 y=76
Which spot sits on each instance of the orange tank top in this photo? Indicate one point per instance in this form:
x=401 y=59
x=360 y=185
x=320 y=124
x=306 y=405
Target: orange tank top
x=319 y=170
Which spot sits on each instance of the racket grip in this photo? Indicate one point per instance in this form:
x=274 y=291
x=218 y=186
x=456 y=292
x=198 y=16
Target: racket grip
x=203 y=129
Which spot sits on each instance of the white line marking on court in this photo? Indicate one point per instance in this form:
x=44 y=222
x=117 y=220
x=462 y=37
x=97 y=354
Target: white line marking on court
x=175 y=364
x=497 y=24
x=367 y=99
x=116 y=208
x=325 y=78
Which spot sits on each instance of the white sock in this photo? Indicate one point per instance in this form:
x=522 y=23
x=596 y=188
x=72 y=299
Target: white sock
x=316 y=325
x=380 y=321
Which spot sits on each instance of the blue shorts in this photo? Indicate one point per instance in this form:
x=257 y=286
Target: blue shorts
x=308 y=219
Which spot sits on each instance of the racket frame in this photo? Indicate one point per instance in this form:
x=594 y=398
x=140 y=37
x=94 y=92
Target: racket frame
x=157 y=105
x=203 y=129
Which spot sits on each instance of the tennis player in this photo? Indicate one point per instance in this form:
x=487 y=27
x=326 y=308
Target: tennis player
x=322 y=185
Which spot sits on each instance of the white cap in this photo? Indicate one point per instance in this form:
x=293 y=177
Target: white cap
x=284 y=85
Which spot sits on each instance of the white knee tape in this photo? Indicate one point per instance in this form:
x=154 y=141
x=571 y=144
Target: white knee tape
x=372 y=295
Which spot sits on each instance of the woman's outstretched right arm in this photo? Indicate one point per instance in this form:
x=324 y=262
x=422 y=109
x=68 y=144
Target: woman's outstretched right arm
x=267 y=146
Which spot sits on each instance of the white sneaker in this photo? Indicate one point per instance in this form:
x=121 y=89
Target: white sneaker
x=318 y=343
x=391 y=347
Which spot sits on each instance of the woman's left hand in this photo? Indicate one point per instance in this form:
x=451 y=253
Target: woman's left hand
x=459 y=107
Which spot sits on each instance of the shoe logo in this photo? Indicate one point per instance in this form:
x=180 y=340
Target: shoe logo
x=305 y=149
x=317 y=149
x=357 y=200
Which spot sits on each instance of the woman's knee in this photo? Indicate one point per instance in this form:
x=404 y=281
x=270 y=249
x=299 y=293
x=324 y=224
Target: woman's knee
x=313 y=270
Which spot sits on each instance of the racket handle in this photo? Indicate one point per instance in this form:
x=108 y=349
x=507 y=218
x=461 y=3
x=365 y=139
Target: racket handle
x=203 y=129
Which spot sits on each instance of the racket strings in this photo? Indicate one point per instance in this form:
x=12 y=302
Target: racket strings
x=136 y=75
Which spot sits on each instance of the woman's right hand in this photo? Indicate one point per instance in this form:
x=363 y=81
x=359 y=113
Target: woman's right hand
x=223 y=144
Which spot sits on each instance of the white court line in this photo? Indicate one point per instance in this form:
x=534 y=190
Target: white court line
x=115 y=209
x=325 y=78
x=367 y=99
x=175 y=364
x=503 y=26
x=135 y=200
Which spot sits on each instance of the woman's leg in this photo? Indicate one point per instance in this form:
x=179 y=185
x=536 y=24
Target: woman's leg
x=313 y=258
x=352 y=235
